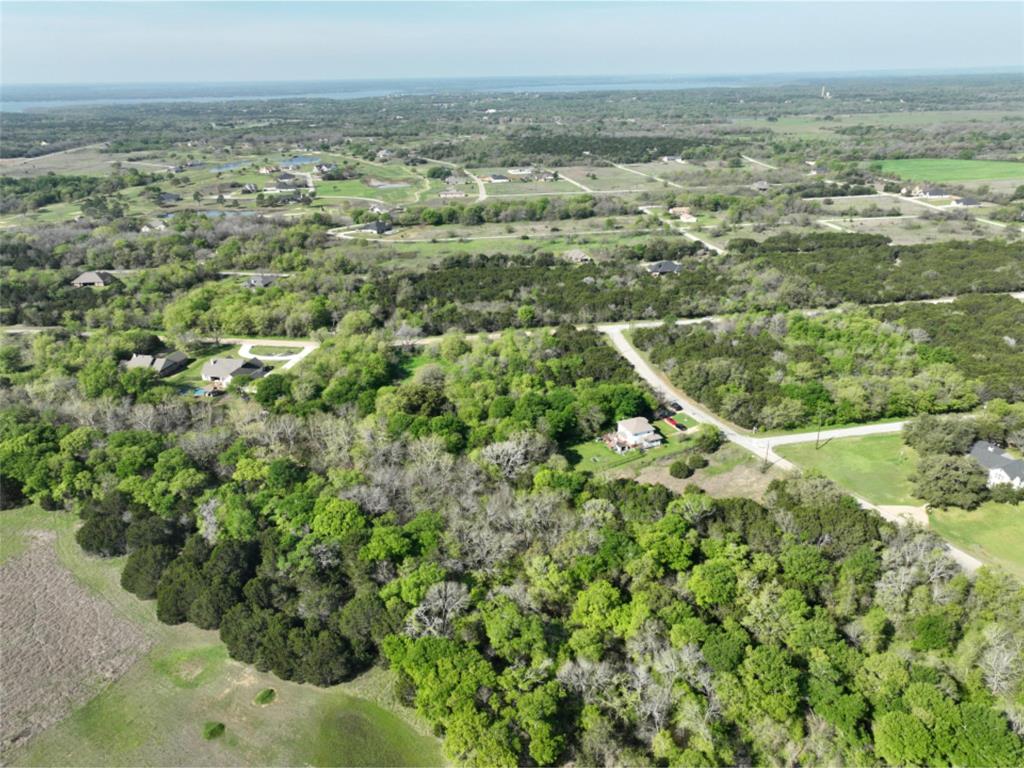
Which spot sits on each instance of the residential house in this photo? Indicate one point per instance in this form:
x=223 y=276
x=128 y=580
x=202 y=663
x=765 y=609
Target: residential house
x=161 y=365
x=377 y=227
x=965 y=202
x=576 y=256
x=385 y=154
x=261 y=281
x=324 y=167
x=94 y=280
x=268 y=170
x=683 y=214
x=377 y=208
x=1002 y=469
x=249 y=189
x=924 y=190
x=521 y=171
x=496 y=178
x=671 y=159
x=760 y=186
x=154 y=225
x=166 y=198
x=547 y=176
x=224 y=370
x=638 y=432
x=659 y=268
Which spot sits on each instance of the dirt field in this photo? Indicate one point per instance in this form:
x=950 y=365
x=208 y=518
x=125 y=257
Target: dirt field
x=61 y=644
x=731 y=472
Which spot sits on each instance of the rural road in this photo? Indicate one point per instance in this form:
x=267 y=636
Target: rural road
x=760 y=163
x=245 y=350
x=763 y=447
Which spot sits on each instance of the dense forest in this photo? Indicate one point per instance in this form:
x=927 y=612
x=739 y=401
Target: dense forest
x=790 y=370
x=533 y=613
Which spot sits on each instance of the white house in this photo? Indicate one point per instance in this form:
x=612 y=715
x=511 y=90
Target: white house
x=1002 y=469
x=638 y=432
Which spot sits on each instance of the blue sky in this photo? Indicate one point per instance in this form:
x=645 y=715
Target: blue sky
x=112 y=42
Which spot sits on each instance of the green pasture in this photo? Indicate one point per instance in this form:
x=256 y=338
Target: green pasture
x=994 y=533
x=950 y=170
x=876 y=467
x=155 y=714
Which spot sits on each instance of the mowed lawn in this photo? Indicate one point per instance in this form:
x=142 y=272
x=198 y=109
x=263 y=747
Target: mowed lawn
x=155 y=713
x=876 y=467
x=994 y=533
x=951 y=170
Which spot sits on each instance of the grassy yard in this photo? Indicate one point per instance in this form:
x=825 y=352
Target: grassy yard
x=994 y=533
x=596 y=457
x=948 y=170
x=155 y=713
x=876 y=467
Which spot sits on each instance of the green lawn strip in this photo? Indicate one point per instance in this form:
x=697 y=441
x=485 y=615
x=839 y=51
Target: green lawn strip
x=876 y=467
x=157 y=711
x=994 y=533
x=952 y=170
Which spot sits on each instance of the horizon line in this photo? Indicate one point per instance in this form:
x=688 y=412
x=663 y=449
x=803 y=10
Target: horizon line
x=908 y=72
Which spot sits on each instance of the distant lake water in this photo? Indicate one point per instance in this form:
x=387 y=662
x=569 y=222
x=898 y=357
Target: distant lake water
x=23 y=98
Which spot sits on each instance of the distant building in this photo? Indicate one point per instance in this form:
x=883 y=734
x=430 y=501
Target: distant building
x=496 y=178
x=965 y=202
x=268 y=170
x=324 y=167
x=924 y=190
x=760 y=186
x=162 y=365
x=248 y=189
x=224 y=370
x=521 y=171
x=384 y=154
x=671 y=159
x=261 y=281
x=659 y=268
x=576 y=256
x=1002 y=469
x=378 y=227
x=154 y=225
x=94 y=280
x=166 y=198
x=683 y=214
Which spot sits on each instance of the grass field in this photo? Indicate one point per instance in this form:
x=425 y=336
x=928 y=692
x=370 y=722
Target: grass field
x=155 y=713
x=993 y=533
x=949 y=170
x=918 y=231
x=876 y=467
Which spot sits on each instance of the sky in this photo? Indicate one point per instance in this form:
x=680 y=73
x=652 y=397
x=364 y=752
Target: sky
x=148 y=42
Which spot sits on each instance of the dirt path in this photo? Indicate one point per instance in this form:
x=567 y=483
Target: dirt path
x=61 y=644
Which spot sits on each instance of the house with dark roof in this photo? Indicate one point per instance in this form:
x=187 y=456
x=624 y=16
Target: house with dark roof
x=377 y=227
x=161 y=365
x=96 y=279
x=223 y=370
x=261 y=281
x=166 y=198
x=1002 y=469
x=965 y=202
x=760 y=186
x=659 y=268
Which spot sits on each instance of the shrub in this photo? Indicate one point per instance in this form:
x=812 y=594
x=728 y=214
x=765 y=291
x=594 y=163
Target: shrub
x=212 y=730
x=680 y=468
x=266 y=696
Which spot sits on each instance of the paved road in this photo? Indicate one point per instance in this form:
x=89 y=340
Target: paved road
x=245 y=350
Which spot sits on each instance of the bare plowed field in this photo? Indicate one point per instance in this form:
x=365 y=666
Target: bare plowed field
x=61 y=644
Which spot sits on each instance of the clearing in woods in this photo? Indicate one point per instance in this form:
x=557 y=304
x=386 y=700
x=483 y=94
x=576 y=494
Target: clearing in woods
x=138 y=692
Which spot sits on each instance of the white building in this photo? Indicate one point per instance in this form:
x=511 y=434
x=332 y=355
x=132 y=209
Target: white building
x=638 y=432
